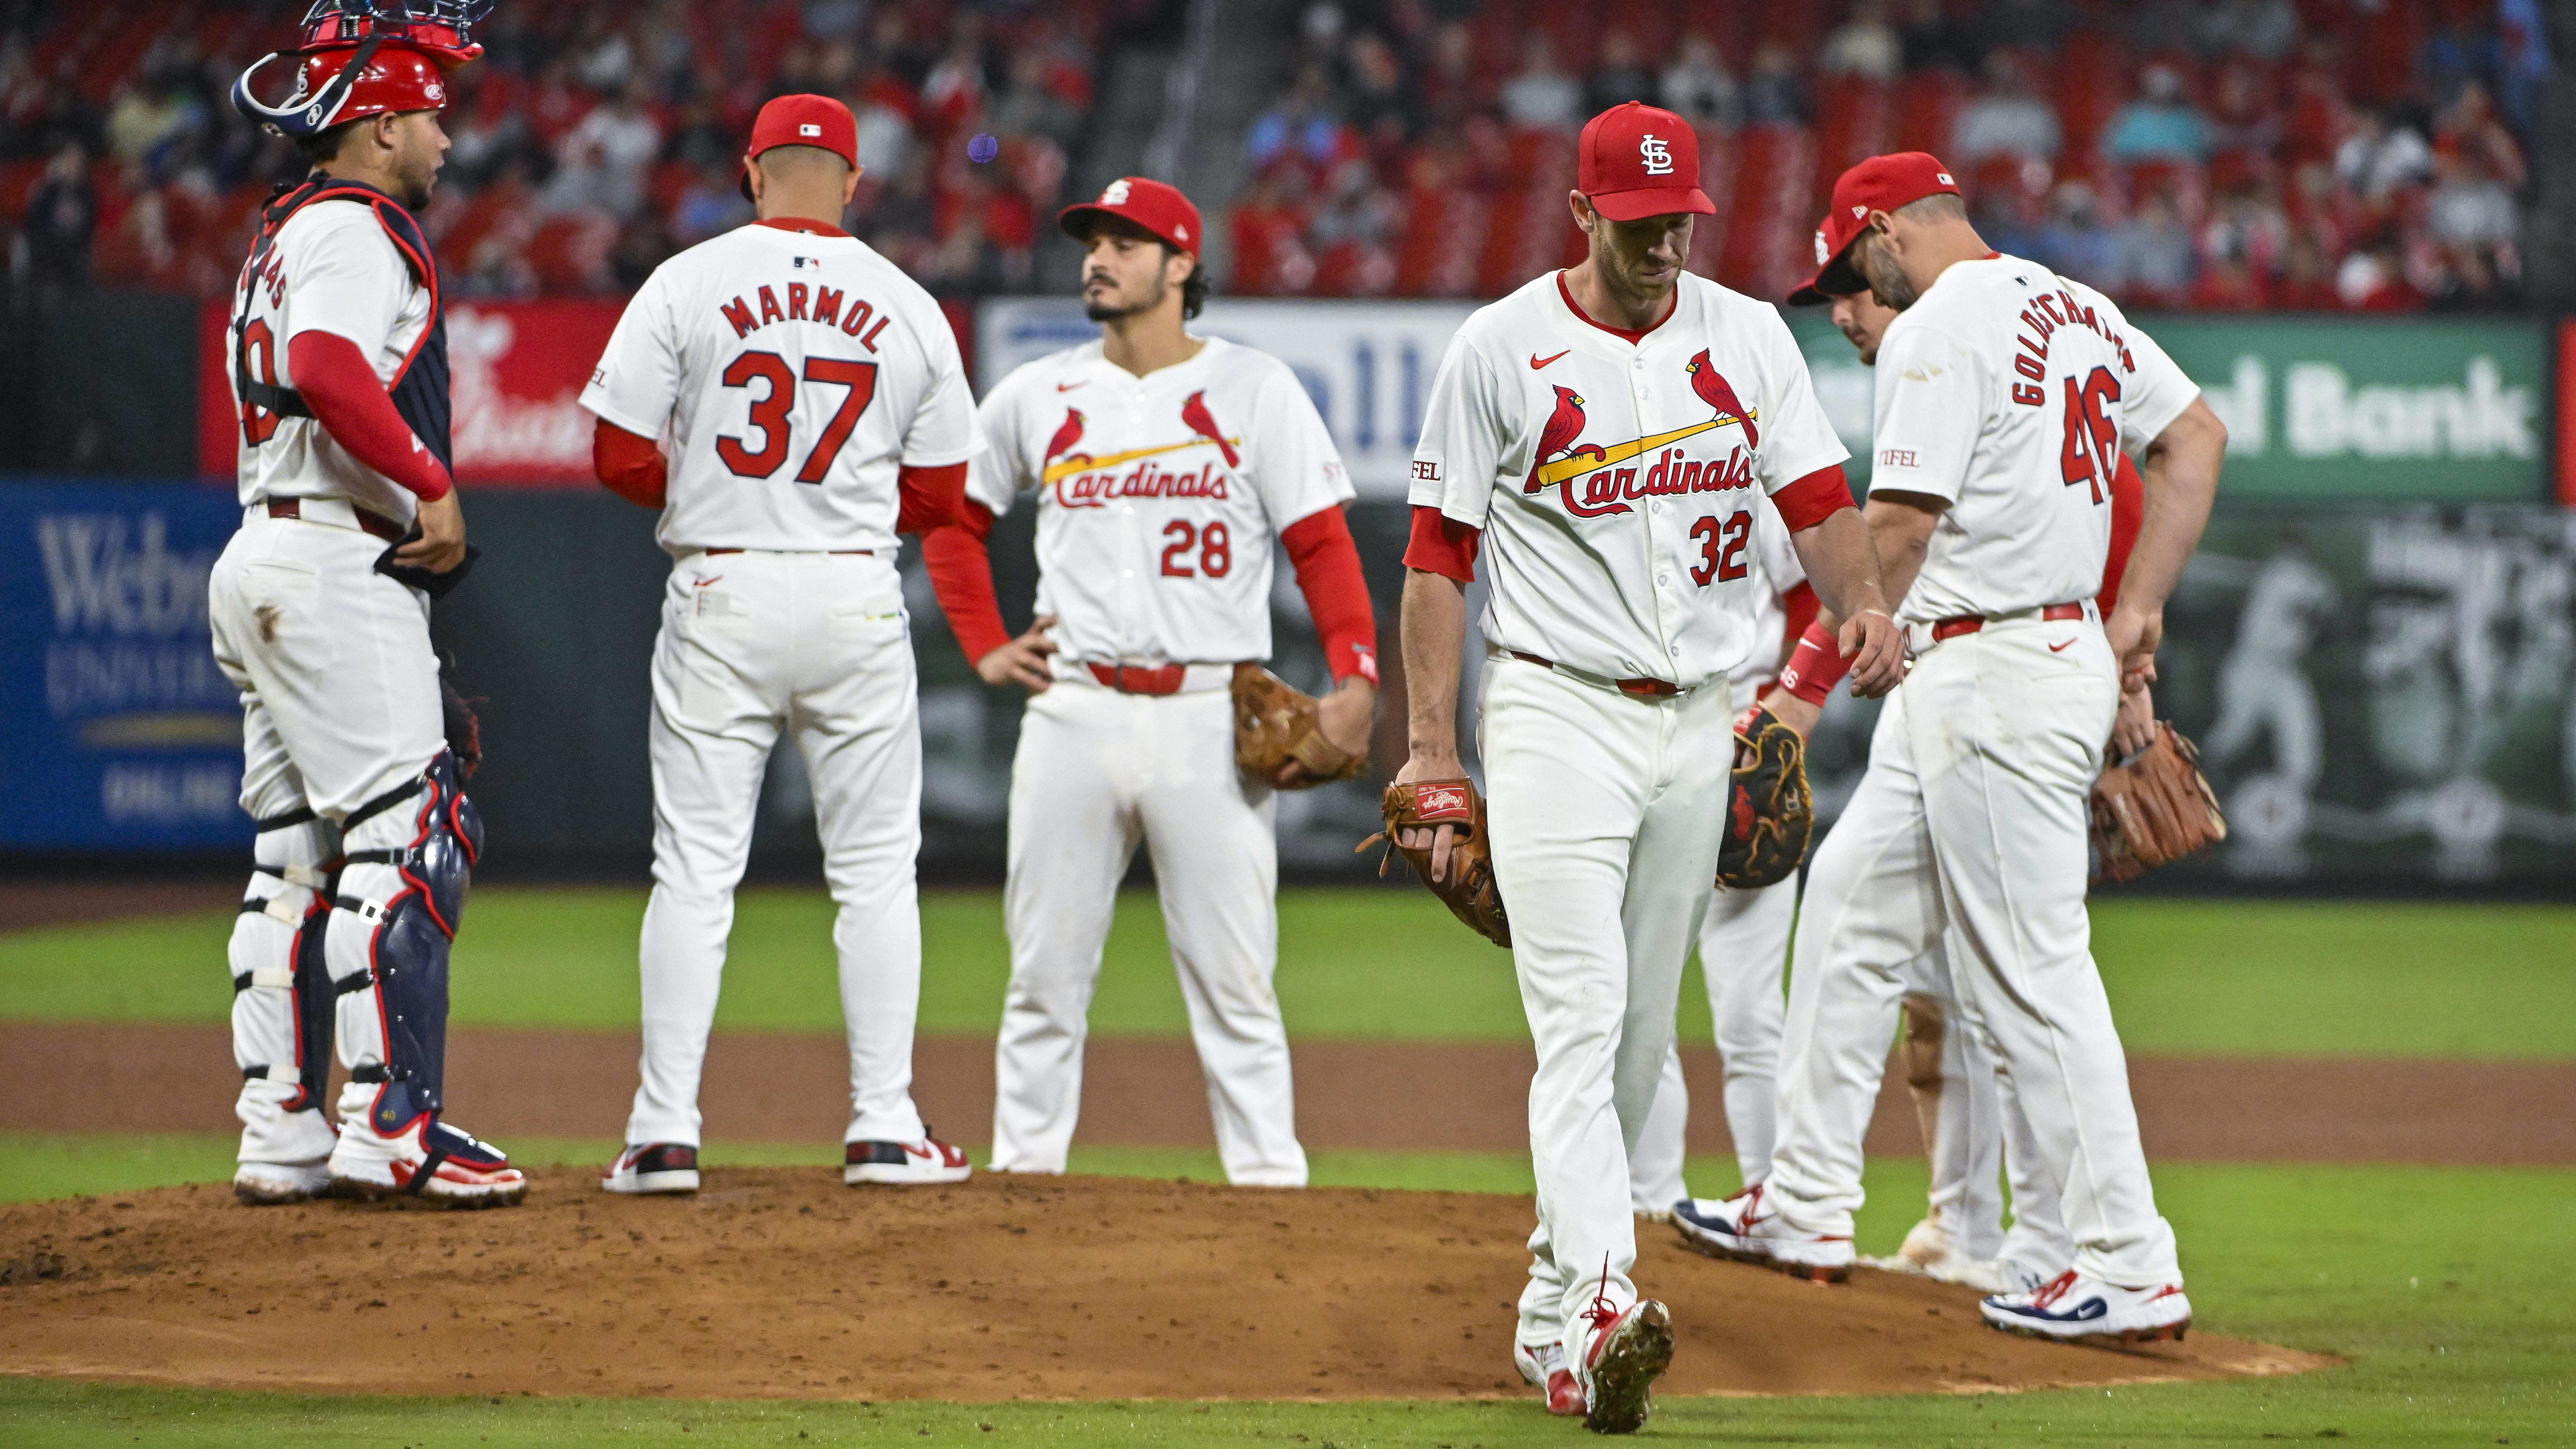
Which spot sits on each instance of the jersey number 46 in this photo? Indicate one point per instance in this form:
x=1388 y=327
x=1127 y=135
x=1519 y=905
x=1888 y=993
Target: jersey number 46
x=2092 y=439
x=769 y=414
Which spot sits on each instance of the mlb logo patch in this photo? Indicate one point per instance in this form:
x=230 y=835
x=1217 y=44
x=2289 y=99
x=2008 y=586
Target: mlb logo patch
x=1441 y=802
x=808 y=128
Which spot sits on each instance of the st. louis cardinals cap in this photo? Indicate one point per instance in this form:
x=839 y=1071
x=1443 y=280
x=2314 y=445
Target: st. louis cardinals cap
x=1881 y=183
x=802 y=121
x=1637 y=161
x=1160 y=209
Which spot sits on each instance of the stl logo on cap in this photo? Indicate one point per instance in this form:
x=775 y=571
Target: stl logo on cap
x=1824 y=250
x=1658 y=156
x=1115 y=194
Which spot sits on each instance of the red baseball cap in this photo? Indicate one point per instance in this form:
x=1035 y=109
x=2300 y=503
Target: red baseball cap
x=1881 y=183
x=802 y=121
x=1160 y=209
x=1637 y=161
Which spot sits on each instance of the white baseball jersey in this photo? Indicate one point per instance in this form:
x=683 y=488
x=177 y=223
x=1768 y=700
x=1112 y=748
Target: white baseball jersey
x=333 y=269
x=793 y=372
x=1158 y=496
x=1614 y=478
x=2008 y=392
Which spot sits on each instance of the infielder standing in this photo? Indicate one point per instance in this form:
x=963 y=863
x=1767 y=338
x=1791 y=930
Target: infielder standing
x=815 y=406
x=1599 y=436
x=2004 y=394
x=320 y=612
x=1164 y=464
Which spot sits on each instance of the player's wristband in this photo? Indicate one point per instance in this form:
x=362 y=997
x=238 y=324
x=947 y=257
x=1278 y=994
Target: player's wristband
x=1815 y=666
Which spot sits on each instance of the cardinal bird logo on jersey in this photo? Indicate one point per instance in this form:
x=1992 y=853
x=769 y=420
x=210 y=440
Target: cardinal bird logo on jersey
x=1195 y=414
x=1712 y=390
x=1065 y=436
x=1563 y=427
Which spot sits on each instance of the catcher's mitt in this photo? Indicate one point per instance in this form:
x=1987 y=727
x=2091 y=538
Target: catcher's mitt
x=2153 y=807
x=1470 y=892
x=1770 y=815
x=1275 y=722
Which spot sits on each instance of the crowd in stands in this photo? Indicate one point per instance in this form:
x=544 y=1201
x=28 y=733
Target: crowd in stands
x=2206 y=154
x=591 y=141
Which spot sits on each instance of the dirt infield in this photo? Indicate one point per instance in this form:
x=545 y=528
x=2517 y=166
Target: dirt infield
x=781 y=1283
x=1384 y=1095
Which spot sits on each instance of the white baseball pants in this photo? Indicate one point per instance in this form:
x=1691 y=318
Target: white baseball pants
x=339 y=691
x=1972 y=821
x=1097 y=772
x=1743 y=953
x=753 y=643
x=1606 y=811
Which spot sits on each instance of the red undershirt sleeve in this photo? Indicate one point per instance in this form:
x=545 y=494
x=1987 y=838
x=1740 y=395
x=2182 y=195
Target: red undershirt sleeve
x=350 y=403
x=961 y=575
x=629 y=465
x=1801 y=606
x=2128 y=509
x=1442 y=545
x=1328 y=573
x=1814 y=498
x=931 y=498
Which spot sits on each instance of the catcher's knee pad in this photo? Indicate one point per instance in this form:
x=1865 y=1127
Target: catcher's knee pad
x=411 y=858
x=282 y=999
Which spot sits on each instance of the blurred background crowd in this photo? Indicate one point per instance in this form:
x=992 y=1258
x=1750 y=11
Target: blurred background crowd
x=2203 y=154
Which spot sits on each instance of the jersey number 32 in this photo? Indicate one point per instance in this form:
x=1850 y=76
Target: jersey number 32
x=769 y=413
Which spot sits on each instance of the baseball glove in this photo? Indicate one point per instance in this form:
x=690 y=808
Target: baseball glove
x=1275 y=722
x=1470 y=892
x=2152 y=807
x=1770 y=815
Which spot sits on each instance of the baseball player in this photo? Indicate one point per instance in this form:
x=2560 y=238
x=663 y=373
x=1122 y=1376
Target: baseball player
x=814 y=406
x=2005 y=393
x=320 y=613
x=1598 y=438
x=1164 y=464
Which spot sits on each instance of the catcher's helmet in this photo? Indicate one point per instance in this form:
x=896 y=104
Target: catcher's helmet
x=365 y=57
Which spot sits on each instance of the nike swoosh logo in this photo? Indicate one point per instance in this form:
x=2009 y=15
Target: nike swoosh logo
x=2059 y=648
x=1536 y=363
x=1070 y=386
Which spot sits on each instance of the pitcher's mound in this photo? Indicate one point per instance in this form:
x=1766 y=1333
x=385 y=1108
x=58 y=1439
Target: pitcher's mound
x=783 y=1283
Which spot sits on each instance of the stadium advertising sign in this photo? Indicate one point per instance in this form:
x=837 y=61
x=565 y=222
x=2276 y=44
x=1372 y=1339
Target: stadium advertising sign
x=2322 y=409
x=121 y=731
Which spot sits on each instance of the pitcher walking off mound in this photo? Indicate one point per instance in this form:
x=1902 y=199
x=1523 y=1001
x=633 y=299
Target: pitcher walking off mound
x=1164 y=464
x=1598 y=436
x=2004 y=394
x=816 y=406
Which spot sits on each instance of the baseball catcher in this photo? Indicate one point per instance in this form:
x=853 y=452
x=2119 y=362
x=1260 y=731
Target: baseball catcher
x=320 y=612
x=2152 y=807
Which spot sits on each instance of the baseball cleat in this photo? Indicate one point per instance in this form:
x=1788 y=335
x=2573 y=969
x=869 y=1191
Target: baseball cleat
x=1744 y=1229
x=267 y=1184
x=653 y=1167
x=1542 y=1367
x=1628 y=1352
x=2072 y=1308
x=903 y=1164
x=427 y=1159
x=1929 y=1253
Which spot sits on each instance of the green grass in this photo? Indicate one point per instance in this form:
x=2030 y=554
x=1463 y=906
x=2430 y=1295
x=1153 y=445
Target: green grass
x=2449 y=1289
x=2254 y=978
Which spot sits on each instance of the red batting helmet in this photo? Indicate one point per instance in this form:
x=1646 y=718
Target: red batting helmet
x=366 y=57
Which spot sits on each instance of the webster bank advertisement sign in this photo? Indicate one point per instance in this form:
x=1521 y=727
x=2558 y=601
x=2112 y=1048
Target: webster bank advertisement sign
x=119 y=730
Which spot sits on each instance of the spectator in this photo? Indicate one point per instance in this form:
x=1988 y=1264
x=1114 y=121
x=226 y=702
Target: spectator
x=710 y=205
x=2307 y=282
x=1541 y=95
x=1448 y=88
x=599 y=164
x=2155 y=262
x=1381 y=110
x=885 y=138
x=2244 y=133
x=1620 y=77
x=2522 y=61
x=952 y=94
x=1029 y=107
x=1299 y=128
x=2075 y=242
x=830 y=20
x=2008 y=118
x=1933 y=41
x=1774 y=95
x=2472 y=279
x=2382 y=155
x=2160 y=124
x=2374 y=278
x=2469 y=207
x=2470 y=127
x=150 y=113
x=2031 y=25
x=1864 y=45
x=2227 y=284
x=1697 y=88
x=1351 y=231
x=2264 y=29
x=61 y=222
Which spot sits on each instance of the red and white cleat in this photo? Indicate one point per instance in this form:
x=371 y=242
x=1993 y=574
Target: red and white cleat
x=1627 y=1351
x=655 y=1167
x=2072 y=1308
x=1744 y=1227
x=903 y=1164
x=427 y=1159
x=1543 y=1368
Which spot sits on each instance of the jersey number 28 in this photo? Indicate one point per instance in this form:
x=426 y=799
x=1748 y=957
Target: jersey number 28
x=769 y=414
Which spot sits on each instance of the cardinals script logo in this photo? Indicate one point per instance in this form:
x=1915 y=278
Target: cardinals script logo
x=1606 y=488
x=1083 y=480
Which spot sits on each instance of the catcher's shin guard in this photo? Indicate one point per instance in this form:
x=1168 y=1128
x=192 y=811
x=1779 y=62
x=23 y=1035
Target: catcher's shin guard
x=411 y=857
x=282 y=1003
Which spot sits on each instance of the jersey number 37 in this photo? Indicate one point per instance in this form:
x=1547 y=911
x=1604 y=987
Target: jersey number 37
x=769 y=413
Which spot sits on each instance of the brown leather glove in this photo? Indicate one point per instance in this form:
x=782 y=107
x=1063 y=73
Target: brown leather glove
x=1469 y=891
x=1770 y=813
x=1275 y=722
x=2153 y=807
